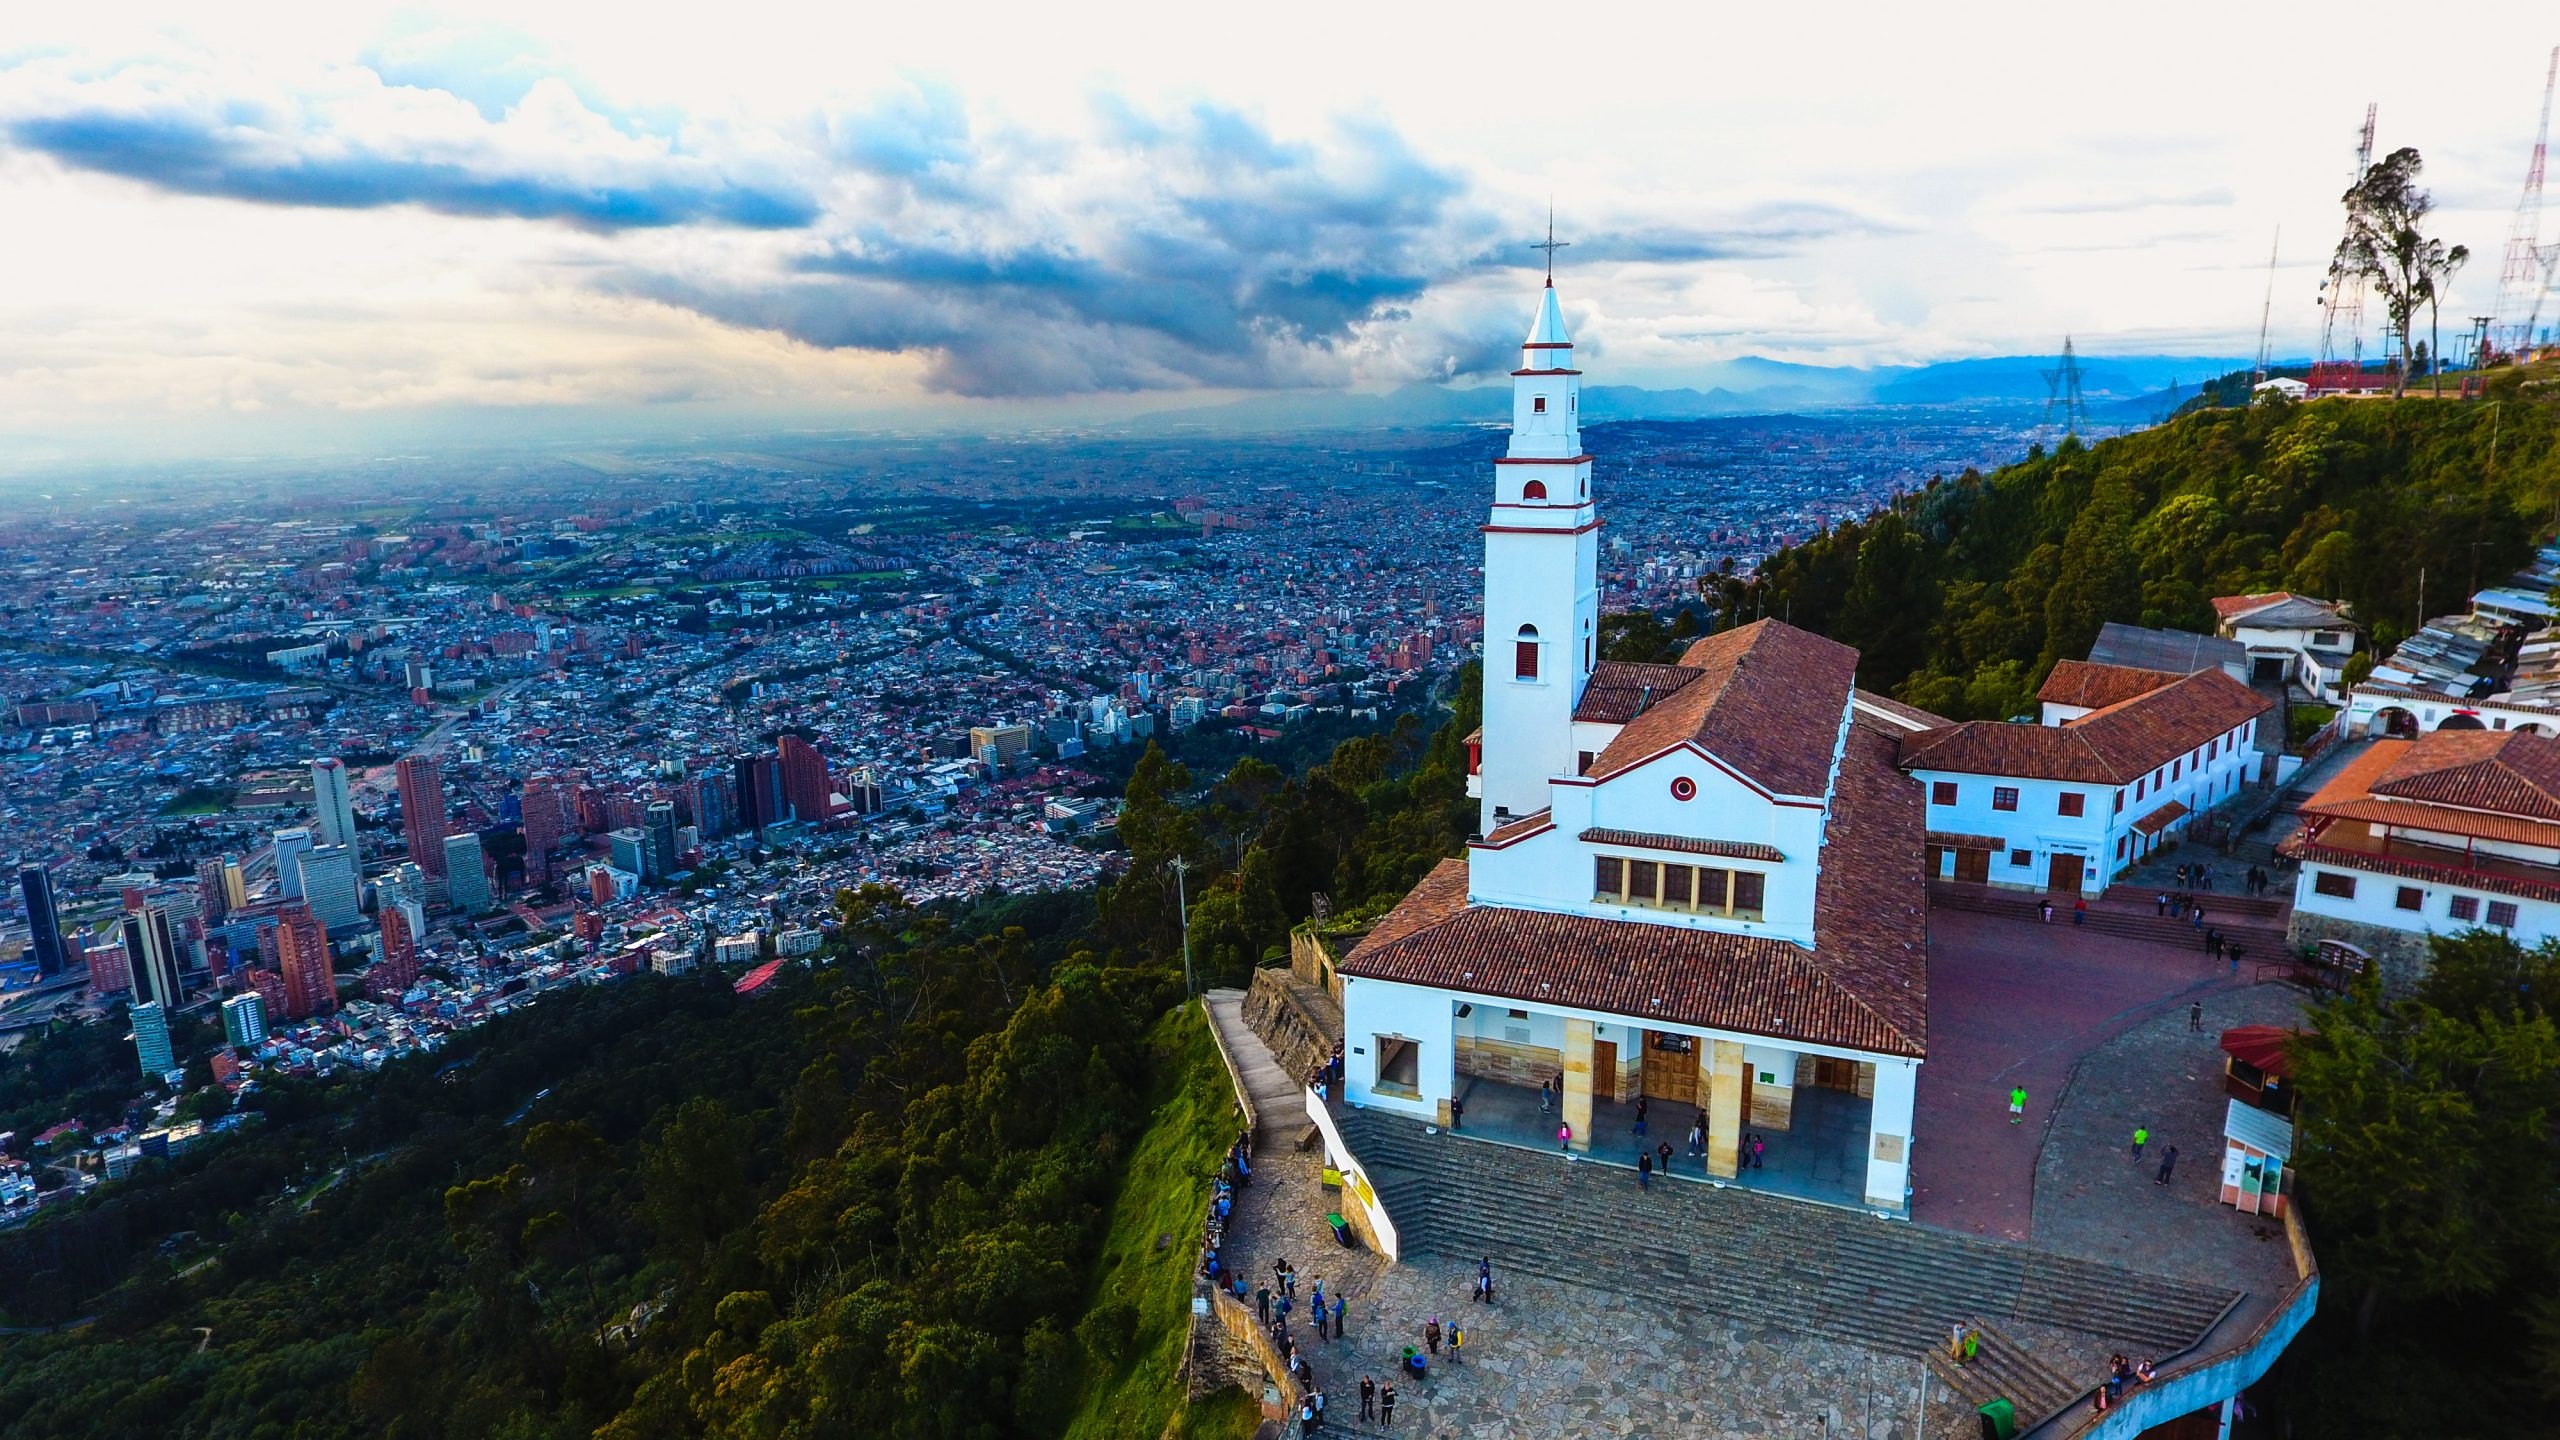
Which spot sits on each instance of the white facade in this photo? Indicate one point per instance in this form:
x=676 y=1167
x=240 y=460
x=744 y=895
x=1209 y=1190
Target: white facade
x=333 y=886
x=2366 y=707
x=1542 y=580
x=2028 y=816
x=2420 y=907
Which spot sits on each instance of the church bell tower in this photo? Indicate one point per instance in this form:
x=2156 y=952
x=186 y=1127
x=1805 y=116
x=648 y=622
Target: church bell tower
x=1541 y=578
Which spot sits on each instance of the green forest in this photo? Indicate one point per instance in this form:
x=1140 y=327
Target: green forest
x=1961 y=595
x=914 y=1190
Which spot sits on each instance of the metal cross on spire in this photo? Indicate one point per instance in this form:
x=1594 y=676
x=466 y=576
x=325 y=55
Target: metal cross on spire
x=1551 y=245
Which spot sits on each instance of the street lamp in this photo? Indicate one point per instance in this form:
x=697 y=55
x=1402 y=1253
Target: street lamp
x=1182 y=905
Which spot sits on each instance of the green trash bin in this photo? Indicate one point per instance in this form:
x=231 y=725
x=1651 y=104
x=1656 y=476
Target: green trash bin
x=1999 y=1420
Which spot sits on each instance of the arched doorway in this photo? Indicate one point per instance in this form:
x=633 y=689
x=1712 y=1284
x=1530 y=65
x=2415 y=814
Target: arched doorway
x=2462 y=722
x=2392 y=720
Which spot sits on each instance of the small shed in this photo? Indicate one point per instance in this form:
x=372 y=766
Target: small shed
x=2255 y=1147
x=2254 y=1068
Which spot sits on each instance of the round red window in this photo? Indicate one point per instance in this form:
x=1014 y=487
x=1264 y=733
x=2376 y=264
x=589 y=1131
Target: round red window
x=1684 y=788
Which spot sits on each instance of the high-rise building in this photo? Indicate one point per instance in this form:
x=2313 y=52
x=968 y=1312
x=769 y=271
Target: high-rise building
x=151 y=1040
x=466 y=873
x=863 y=790
x=235 y=887
x=332 y=887
x=804 y=780
x=662 y=838
x=333 y=802
x=109 y=971
x=302 y=956
x=998 y=747
x=403 y=883
x=759 y=785
x=244 y=1019
x=291 y=846
x=546 y=824
x=630 y=851
x=397 y=968
x=422 y=818
x=44 y=921
x=213 y=902
x=151 y=951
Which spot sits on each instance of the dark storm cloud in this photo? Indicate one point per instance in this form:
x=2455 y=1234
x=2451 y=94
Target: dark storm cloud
x=194 y=158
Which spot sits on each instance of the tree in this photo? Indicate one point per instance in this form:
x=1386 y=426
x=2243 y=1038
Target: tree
x=2385 y=209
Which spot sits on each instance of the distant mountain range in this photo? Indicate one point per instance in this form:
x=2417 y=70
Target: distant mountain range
x=2119 y=389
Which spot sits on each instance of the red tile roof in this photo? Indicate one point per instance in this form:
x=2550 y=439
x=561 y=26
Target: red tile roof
x=1619 y=690
x=2161 y=819
x=2112 y=746
x=2092 y=686
x=1863 y=986
x=2486 y=784
x=2227 y=608
x=1910 y=717
x=1686 y=845
x=1768 y=699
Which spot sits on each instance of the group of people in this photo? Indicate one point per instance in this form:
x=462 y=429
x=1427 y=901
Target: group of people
x=1325 y=1076
x=1234 y=1173
x=2220 y=947
x=2121 y=1373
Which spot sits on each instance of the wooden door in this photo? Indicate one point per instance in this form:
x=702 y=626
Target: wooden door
x=1671 y=1068
x=1973 y=865
x=2062 y=874
x=1833 y=1074
x=1604 y=1069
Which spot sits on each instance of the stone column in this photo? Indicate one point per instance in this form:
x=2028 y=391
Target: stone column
x=1724 y=1108
x=1577 y=1081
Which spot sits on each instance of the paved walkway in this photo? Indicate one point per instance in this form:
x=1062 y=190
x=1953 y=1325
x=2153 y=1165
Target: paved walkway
x=1822 y=1156
x=2016 y=1003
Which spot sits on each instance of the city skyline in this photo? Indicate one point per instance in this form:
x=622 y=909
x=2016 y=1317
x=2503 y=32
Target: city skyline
x=353 y=227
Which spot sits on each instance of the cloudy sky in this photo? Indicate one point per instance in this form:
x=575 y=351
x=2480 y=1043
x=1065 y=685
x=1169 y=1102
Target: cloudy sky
x=277 y=224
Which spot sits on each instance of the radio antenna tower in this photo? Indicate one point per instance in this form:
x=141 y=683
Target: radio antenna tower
x=2062 y=387
x=2342 y=294
x=2521 y=284
x=2267 y=310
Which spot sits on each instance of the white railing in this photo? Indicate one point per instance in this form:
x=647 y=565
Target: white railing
x=1356 y=1189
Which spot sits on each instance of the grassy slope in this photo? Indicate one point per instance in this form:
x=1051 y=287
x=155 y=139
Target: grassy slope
x=1165 y=1191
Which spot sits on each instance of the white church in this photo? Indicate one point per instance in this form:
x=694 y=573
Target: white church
x=1700 y=884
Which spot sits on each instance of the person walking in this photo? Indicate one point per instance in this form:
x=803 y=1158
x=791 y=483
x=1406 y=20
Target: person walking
x=2197 y=919
x=1368 y=1399
x=1564 y=1139
x=1457 y=1344
x=1639 y=1115
x=1757 y=1150
x=1644 y=1169
x=1484 y=1279
x=2233 y=954
x=1262 y=1304
x=1431 y=1334
x=2079 y=913
x=2047 y=908
x=1546 y=1095
x=2160 y=903
x=2017 y=1104
x=1662 y=1153
x=2168 y=1164
x=2195 y=1016
x=1341 y=1307
x=1387 y=1407
x=1697 y=1137
x=1457 y=1113
x=2141 y=1137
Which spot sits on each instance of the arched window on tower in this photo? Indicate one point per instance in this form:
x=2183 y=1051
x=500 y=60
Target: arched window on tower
x=1524 y=664
x=1534 y=490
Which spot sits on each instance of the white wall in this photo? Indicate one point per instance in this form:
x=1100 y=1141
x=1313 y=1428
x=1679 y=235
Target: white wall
x=1897 y=1086
x=2376 y=902
x=1371 y=1008
x=2362 y=706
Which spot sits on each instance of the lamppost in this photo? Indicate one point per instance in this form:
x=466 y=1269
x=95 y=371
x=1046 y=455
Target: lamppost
x=1182 y=905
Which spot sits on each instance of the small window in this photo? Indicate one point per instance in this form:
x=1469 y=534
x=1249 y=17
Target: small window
x=2139 y=785
x=1643 y=878
x=1749 y=888
x=1517 y=1014
x=1714 y=889
x=1942 y=792
x=1538 y=406
x=1608 y=877
x=1524 y=654
x=2177 y=767
x=2071 y=803
x=2004 y=797
x=2502 y=913
x=2409 y=897
x=1582 y=762
x=2464 y=907
x=2122 y=842
x=2119 y=802
x=1534 y=490
x=2333 y=884
x=2021 y=859
x=1676 y=884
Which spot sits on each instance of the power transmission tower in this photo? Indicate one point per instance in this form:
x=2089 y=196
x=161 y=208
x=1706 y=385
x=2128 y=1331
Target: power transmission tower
x=2521 y=283
x=2480 y=341
x=2342 y=294
x=2062 y=391
x=2267 y=310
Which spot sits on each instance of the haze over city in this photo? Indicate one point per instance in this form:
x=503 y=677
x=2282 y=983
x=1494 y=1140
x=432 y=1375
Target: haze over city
x=332 y=227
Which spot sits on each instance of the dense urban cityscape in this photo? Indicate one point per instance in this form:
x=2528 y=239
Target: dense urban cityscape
x=332 y=779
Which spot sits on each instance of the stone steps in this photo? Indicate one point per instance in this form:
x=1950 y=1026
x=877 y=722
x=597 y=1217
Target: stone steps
x=2003 y=1367
x=1836 y=1273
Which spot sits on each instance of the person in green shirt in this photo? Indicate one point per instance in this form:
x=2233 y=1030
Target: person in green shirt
x=2141 y=1137
x=2017 y=1104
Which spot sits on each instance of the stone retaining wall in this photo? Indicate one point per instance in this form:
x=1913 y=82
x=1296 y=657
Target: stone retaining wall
x=1289 y=1017
x=2402 y=956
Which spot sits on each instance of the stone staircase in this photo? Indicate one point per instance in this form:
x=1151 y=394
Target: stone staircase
x=2002 y=1367
x=1834 y=1273
x=2257 y=924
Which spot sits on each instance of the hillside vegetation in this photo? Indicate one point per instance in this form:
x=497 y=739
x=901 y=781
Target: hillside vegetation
x=1961 y=596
